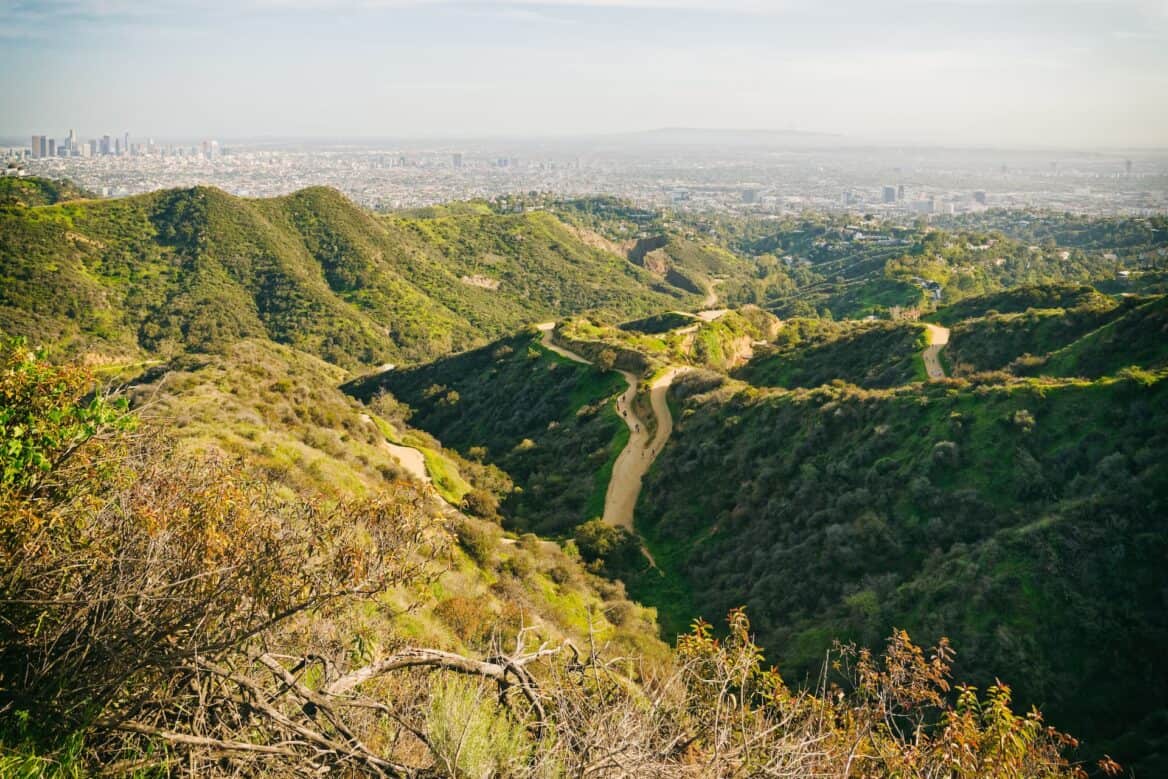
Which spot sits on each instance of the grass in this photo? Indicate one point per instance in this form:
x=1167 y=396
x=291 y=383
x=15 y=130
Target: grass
x=920 y=373
x=445 y=476
x=665 y=587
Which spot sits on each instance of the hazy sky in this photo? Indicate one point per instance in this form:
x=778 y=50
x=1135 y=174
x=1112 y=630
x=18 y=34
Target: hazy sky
x=988 y=72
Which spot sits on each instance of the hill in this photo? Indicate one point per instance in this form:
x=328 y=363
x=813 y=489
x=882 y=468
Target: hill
x=990 y=510
x=859 y=267
x=1022 y=520
x=1018 y=300
x=171 y=611
x=23 y=192
x=195 y=270
x=542 y=418
x=811 y=352
x=1136 y=338
x=1055 y=331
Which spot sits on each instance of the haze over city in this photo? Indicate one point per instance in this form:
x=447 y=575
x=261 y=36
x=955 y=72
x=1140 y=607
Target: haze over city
x=1027 y=73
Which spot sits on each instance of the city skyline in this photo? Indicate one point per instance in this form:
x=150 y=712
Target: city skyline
x=1027 y=74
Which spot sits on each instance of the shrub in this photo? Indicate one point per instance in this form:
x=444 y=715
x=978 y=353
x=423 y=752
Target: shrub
x=470 y=735
x=475 y=540
x=468 y=619
x=481 y=503
x=946 y=453
x=127 y=568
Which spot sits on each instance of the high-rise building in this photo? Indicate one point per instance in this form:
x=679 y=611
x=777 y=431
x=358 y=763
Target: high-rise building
x=900 y=192
x=52 y=147
x=457 y=159
x=73 y=146
x=38 y=146
x=126 y=143
x=105 y=144
x=1127 y=164
x=889 y=194
x=979 y=197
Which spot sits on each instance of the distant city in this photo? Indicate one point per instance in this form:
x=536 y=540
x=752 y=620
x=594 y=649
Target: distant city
x=43 y=146
x=761 y=172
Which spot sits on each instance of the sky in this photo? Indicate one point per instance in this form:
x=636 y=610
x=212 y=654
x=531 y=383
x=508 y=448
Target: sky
x=1007 y=73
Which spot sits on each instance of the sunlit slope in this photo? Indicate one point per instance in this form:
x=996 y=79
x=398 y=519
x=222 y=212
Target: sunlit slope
x=197 y=269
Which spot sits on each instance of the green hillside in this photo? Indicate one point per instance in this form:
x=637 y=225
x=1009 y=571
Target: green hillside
x=1092 y=336
x=1024 y=521
x=1137 y=338
x=167 y=613
x=811 y=352
x=858 y=266
x=17 y=192
x=1021 y=299
x=541 y=418
x=195 y=270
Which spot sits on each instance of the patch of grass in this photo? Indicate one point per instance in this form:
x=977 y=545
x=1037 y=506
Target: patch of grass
x=445 y=476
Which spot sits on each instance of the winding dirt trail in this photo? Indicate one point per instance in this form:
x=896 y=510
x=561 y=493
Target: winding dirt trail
x=938 y=337
x=410 y=459
x=624 y=487
x=546 y=329
x=407 y=457
x=711 y=298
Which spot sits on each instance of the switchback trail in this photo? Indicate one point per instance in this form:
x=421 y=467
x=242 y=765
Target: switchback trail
x=624 y=487
x=938 y=337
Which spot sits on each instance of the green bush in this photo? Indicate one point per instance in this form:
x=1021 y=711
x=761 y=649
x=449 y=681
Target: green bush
x=470 y=735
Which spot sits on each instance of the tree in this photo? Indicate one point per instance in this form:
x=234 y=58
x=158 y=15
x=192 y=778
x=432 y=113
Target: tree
x=606 y=360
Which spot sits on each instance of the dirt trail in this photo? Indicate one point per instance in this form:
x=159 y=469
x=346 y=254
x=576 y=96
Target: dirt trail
x=624 y=487
x=938 y=337
x=546 y=329
x=631 y=464
x=409 y=458
x=711 y=299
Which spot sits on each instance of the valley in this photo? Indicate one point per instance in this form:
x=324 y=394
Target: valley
x=616 y=437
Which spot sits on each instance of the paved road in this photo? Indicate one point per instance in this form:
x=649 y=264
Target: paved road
x=938 y=337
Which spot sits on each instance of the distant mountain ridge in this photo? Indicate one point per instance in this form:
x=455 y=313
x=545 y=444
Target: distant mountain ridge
x=723 y=136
